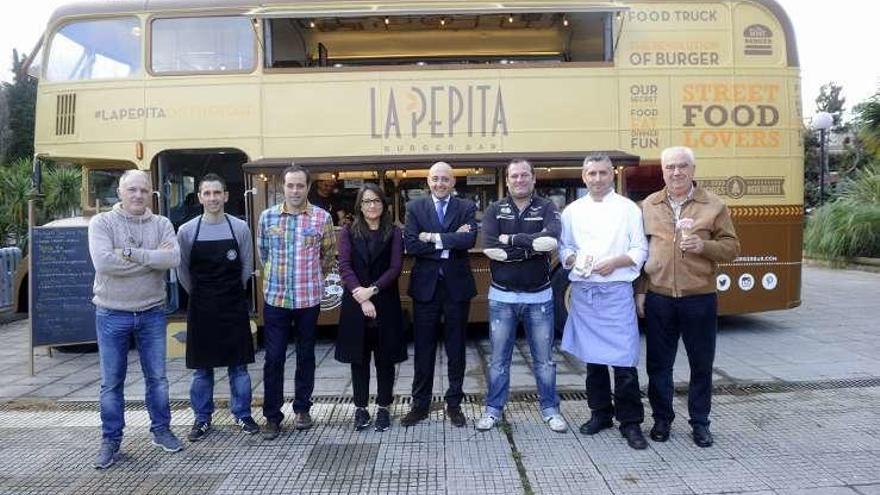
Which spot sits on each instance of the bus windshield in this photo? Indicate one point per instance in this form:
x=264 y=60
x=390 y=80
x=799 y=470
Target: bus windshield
x=95 y=49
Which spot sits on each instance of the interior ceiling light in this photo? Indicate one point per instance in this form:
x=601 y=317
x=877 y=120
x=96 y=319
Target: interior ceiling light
x=312 y=24
x=510 y=19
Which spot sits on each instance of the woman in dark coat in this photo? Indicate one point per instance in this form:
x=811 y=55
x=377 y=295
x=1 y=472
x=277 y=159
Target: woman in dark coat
x=371 y=321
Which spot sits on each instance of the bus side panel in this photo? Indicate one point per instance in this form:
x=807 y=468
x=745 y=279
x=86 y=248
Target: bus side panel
x=767 y=274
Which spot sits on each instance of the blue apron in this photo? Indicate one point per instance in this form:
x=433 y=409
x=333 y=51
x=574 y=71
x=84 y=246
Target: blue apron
x=602 y=327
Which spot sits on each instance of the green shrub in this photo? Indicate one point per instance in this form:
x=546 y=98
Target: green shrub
x=850 y=225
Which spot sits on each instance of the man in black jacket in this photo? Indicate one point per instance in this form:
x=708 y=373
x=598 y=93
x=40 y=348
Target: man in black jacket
x=519 y=232
x=440 y=229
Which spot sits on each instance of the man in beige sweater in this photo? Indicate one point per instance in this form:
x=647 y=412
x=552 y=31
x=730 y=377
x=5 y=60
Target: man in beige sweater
x=132 y=249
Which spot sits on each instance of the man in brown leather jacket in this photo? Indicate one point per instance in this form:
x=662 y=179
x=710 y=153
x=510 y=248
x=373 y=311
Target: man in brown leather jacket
x=689 y=232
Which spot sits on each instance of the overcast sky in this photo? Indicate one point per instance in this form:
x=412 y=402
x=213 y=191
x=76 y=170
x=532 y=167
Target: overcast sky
x=832 y=41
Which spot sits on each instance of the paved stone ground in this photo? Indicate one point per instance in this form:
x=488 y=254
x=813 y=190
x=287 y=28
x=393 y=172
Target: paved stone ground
x=797 y=411
x=798 y=442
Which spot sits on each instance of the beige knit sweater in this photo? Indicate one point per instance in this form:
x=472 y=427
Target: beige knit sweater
x=137 y=283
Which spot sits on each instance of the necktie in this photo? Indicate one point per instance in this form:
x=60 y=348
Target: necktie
x=441 y=210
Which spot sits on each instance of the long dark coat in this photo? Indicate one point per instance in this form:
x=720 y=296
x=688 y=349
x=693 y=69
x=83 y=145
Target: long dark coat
x=389 y=316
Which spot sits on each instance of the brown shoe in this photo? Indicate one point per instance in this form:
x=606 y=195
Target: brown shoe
x=456 y=417
x=414 y=416
x=302 y=421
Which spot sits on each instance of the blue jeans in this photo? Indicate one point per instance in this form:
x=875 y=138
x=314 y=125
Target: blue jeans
x=538 y=322
x=201 y=393
x=276 y=332
x=114 y=329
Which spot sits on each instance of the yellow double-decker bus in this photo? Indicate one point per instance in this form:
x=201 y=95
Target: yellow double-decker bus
x=379 y=90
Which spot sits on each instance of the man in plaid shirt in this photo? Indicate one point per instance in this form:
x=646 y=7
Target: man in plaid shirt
x=297 y=247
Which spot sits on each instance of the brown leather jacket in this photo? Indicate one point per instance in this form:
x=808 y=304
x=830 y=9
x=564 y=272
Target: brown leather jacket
x=666 y=271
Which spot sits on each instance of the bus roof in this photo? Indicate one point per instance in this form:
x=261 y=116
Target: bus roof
x=322 y=8
x=354 y=8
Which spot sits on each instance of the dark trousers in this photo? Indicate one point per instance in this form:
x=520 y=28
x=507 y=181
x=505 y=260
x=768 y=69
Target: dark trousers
x=360 y=373
x=627 y=406
x=426 y=319
x=695 y=319
x=276 y=329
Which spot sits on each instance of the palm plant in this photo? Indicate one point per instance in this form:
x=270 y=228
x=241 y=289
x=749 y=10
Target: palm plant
x=868 y=122
x=15 y=186
x=62 y=186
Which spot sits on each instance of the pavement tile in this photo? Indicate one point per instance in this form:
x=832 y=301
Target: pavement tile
x=717 y=476
x=790 y=471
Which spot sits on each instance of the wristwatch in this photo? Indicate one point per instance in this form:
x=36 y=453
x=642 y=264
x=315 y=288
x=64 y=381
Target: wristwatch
x=374 y=290
x=126 y=253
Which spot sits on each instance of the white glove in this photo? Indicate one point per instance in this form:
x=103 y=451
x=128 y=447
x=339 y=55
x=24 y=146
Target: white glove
x=544 y=244
x=496 y=254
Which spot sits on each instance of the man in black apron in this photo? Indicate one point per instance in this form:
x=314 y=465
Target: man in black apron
x=216 y=262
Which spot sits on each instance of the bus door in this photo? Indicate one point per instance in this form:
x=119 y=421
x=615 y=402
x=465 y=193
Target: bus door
x=179 y=173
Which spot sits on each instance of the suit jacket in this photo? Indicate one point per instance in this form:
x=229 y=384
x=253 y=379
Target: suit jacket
x=421 y=216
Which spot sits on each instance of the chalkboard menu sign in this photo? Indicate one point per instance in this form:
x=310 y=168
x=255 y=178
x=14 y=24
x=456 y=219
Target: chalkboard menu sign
x=61 y=286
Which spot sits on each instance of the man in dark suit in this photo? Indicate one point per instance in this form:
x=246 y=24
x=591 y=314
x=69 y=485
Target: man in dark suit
x=439 y=231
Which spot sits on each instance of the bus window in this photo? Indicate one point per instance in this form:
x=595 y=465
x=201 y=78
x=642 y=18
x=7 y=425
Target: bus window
x=488 y=38
x=414 y=188
x=95 y=49
x=102 y=187
x=202 y=44
x=641 y=181
x=561 y=185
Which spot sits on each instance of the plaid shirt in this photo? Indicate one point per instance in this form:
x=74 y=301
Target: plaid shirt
x=296 y=250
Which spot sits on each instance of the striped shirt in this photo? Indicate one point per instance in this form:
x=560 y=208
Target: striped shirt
x=297 y=250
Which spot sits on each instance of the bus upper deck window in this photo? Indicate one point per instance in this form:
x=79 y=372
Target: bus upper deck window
x=203 y=44
x=95 y=49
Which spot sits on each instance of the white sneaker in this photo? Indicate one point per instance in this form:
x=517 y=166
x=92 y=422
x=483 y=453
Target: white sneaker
x=487 y=422
x=557 y=423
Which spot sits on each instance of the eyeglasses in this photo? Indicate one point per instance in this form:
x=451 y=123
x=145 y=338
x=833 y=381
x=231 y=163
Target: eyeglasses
x=676 y=166
x=371 y=202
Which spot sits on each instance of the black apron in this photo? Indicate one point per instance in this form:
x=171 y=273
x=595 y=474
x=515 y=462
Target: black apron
x=218 y=330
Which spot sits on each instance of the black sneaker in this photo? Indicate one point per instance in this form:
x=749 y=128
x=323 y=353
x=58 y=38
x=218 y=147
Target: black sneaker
x=248 y=425
x=595 y=425
x=414 y=416
x=634 y=436
x=200 y=430
x=660 y=430
x=456 y=417
x=383 y=419
x=361 y=419
x=702 y=436
x=271 y=431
